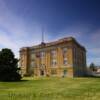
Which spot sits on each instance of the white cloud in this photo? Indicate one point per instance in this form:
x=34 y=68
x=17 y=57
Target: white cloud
x=7 y=42
x=15 y=32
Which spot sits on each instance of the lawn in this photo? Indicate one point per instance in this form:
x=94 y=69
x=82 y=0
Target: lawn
x=51 y=89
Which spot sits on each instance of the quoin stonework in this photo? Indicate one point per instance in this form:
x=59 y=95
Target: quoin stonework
x=64 y=57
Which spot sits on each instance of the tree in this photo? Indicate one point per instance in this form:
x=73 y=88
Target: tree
x=8 y=66
x=93 y=67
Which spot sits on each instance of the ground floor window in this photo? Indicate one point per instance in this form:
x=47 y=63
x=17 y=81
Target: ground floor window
x=53 y=72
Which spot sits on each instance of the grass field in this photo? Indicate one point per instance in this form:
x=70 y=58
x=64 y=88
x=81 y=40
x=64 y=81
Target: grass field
x=51 y=89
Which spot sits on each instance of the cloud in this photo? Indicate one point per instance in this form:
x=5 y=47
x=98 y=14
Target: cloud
x=15 y=32
x=6 y=41
x=95 y=51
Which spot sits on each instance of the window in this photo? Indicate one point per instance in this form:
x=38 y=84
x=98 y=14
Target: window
x=64 y=73
x=53 y=53
x=53 y=58
x=64 y=50
x=32 y=64
x=32 y=56
x=53 y=72
x=54 y=62
x=76 y=56
x=65 y=61
x=42 y=54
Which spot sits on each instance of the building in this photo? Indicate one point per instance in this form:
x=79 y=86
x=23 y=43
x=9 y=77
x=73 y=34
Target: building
x=65 y=57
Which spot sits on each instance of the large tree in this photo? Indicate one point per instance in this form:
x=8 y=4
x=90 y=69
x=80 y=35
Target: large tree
x=8 y=66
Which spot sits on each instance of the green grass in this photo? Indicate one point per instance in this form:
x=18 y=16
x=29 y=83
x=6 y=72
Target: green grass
x=51 y=89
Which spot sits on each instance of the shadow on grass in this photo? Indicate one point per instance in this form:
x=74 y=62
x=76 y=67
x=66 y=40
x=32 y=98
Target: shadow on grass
x=91 y=76
x=23 y=80
x=16 y=81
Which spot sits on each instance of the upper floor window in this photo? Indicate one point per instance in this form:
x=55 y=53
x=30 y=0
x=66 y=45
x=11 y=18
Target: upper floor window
x=65 y=61
x=53 y=53
x=64 y=50
x=32 y=64
x=32 y=56
x=75 y=55
x=42 y=54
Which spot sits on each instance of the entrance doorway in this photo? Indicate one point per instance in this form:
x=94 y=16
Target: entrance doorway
x=42 y=73
x=64 y=73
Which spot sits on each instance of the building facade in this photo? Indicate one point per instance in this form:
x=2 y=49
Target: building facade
x=65 y=57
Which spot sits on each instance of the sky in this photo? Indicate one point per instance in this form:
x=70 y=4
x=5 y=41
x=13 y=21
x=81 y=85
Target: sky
x=21 y=23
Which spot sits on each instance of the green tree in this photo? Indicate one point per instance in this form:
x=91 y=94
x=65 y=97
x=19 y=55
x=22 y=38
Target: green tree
x=93 y=67
x=8 y=66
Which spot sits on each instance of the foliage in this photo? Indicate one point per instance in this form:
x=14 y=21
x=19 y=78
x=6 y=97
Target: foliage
x=8 y=66
x=93 y=67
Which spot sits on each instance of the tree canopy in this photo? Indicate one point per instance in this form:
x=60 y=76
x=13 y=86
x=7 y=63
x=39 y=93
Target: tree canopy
x=93 y=67
x=8 y=66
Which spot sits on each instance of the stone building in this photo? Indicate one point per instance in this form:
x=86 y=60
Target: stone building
x=64 y=57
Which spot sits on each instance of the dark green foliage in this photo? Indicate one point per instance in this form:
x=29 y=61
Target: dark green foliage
x=8 y=66
x=93 y=67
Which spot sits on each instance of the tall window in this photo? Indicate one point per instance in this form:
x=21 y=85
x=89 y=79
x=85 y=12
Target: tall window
x=65 y=50
x=32 y=56
x=32 y=61
x=32 y=64
x=65 y=61
x=53 y=53
x=53 y=58
x=74 y=52
x=22 y=61
x=42 y=56
x=54 y=62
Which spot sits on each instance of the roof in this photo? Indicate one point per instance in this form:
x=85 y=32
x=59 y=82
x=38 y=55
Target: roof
x=66 y=39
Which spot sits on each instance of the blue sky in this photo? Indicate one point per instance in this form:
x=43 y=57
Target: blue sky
x=21 y=22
